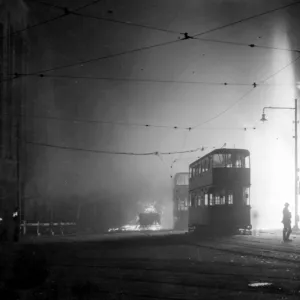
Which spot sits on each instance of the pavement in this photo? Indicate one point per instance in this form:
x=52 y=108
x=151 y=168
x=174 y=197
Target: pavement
x=168 y=265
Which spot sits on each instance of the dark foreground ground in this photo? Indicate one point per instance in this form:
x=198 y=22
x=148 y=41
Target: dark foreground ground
x=164 y=266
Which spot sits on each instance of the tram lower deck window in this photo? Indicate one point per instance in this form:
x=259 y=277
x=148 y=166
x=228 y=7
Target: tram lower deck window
x=246 y=196
x=222 y=200
x=199 y=201
x=206 y=200
x=230 y=198
x=219 y=200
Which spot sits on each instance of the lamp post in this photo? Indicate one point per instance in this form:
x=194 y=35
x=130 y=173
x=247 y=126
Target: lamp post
x=263 y=119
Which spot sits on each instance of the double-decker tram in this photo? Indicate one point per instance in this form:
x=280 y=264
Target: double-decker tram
x=180 y=201
x=219 y=192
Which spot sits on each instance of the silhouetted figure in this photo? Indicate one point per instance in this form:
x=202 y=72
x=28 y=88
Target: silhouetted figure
x=254 y=222
x=16 y=218
x=286 y=221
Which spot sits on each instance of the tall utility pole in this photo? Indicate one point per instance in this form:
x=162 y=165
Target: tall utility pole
x=296 y=167
x=12 y=61
x=263 y=119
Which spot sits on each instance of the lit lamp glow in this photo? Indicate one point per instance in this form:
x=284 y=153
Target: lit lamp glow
x=282 y=158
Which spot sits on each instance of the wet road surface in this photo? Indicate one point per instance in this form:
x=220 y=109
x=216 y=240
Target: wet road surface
x=169 y=266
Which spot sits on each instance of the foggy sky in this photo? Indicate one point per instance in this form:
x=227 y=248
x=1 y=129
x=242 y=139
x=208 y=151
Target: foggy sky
x=62 y=174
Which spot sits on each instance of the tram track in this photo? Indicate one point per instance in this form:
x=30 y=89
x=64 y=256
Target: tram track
x=207 y=270
x=143 y=276
x=129 y=271
x=240 y=251
x=256 y=247
x=284 y=253
x=190 y=295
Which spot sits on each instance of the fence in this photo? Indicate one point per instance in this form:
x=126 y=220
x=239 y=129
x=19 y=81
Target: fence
x=51 y=228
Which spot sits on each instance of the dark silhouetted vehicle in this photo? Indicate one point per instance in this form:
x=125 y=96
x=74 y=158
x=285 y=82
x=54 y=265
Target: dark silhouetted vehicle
x=219 y=192
x=180 y=200
x=148 y=219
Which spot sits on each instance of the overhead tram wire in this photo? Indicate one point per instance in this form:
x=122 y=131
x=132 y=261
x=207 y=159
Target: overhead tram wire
x=186 y=37
x=247 y=93
x=107 y=19
x=174 y=127
x=109 y=122
x=282 y=69
x=246 y=45
x=94 y=78
x=247 y=18
x=140 y=80
x=177 y=32
x=185 y=139
x=224 y=111
x=104 y=57
x=153 y=153
x=66 y=13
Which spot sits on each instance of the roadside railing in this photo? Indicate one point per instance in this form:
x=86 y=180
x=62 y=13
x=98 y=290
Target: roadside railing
x=48 y=228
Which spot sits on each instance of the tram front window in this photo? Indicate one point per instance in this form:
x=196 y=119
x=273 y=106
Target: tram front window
x=242 y=161
x=219 y=161
x=231 y=160
x=183 y=179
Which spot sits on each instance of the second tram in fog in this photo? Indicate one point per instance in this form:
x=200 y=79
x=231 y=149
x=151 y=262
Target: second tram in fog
x=180 y=201
x=219 y=191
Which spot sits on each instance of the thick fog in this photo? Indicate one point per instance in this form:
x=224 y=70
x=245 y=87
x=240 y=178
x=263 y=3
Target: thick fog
x=118 y=183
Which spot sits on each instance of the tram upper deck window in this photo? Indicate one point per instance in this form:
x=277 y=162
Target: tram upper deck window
x=203 y=165
x=193 y=172
x=231 y=160
x=242 y=161
x=219 y=160
x=206 y=164
x=182 y=179
x=198 y=169
x=228 y=160
x=230 y=197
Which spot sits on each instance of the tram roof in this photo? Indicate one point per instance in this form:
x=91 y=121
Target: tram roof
x=182 y=173
x=223 y=151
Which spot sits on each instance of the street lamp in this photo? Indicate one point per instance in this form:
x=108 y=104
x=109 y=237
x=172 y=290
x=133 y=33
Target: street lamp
x=264 y=119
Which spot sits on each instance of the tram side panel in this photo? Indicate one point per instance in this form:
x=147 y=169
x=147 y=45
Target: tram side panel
x=199 y=217
x=230 y=177
x=181 y=207
x=180 y=201
x=217 y=183
x=230 y=216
